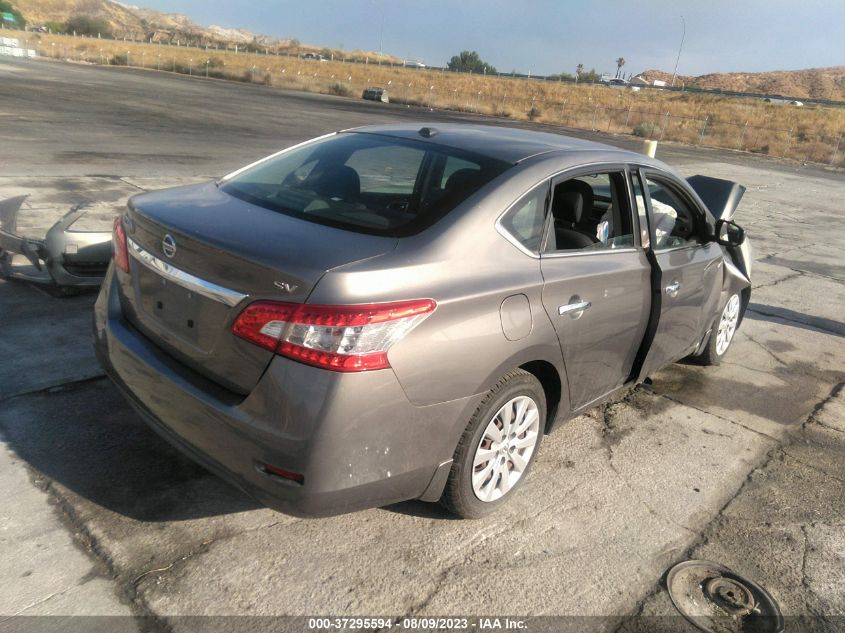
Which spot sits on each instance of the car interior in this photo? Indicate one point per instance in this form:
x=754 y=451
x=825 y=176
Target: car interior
x=675 y=224
x=368 y=184
x=591 y=212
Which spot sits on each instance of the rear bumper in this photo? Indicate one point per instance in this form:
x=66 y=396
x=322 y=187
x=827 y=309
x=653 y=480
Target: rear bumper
x=355 y=438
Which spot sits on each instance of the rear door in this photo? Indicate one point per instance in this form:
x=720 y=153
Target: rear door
x=596 y=280
x=689 y=268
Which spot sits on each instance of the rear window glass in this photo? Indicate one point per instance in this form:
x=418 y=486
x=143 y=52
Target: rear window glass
x=366 y=182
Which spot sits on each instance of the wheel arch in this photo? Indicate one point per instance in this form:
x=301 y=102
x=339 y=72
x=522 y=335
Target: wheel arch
x=550 y=379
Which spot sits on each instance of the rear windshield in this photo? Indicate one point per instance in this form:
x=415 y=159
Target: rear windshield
x=366 y=182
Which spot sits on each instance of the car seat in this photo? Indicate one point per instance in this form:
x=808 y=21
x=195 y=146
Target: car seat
x=573 y=201
x=339 y=183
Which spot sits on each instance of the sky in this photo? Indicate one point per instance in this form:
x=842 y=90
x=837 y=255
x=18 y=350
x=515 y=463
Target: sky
x=551 y=36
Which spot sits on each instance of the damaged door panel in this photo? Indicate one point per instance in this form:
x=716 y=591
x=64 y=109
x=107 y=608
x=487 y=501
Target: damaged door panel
x=63 y=257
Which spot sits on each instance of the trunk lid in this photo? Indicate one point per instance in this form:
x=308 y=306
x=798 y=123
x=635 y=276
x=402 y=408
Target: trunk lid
x=221 y=254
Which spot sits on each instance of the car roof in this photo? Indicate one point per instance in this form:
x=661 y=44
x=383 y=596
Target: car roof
x=509 y=144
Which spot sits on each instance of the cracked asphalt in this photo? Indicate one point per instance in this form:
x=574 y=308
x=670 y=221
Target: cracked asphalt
x=743 y=464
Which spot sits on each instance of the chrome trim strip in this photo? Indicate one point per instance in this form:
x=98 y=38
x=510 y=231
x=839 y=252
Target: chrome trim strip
x=231 y=175
x=180 y=277
x=592 y=251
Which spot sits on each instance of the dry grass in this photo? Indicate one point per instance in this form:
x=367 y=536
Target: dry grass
x=810 y=133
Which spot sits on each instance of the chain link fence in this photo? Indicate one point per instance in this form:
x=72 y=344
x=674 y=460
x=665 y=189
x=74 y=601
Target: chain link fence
x=436 y=90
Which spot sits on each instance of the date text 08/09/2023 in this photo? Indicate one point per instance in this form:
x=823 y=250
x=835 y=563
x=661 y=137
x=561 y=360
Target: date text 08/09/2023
x=424 y=623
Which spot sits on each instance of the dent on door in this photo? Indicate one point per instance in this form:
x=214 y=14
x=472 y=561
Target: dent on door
x=690 y=284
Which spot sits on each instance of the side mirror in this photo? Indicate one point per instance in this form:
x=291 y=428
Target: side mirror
x=729 y=233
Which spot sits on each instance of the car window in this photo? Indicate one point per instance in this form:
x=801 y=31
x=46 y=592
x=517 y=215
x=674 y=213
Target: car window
x=591 y=212
x=526 y=220
x=368 y=183
x=387 y=168
x=675 y=223
x=454 y=164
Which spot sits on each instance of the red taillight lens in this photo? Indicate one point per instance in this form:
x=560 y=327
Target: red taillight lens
x=119 y=248
x=336 y=337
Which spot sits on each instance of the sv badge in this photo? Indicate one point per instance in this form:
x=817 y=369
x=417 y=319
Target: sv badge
x=283 y=285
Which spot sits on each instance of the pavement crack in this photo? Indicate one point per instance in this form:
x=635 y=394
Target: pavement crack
x=83 y=536
x=62 y=386
x=767 y=350
x=131 y=184
x=812 y=418
x=202 y=548
x=812 y=467
x=702 y=539
x=721 y=417
x=828 y=427
x=36 y=603
x=793 y=275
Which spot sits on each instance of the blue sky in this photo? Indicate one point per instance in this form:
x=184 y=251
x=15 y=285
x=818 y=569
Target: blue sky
x=547 y=36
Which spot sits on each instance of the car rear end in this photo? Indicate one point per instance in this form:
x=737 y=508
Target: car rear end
x=204 y=323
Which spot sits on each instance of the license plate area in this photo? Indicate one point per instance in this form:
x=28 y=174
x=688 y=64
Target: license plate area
x=177 y=313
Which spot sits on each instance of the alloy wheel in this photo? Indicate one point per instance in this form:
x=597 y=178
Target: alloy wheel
x=505 y=449
x=727 y=325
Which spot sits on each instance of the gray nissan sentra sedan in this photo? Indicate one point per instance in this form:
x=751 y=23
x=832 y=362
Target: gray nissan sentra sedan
x=402 y=312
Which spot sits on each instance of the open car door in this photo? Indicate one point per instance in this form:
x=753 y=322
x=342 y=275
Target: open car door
x=687 y=279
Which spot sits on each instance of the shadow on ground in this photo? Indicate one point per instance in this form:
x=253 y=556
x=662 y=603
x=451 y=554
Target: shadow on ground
x=87 y=439
x=774 y=314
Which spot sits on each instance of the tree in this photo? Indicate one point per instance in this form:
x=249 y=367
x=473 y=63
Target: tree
x=578 y=70
x=87 y=25
x=470 y=62
x=591 y=76
x=6 y=7
x=54 y=27
x=619 y=63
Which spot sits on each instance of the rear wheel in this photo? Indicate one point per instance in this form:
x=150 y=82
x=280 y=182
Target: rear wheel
x=721 y=338
x=498 y=447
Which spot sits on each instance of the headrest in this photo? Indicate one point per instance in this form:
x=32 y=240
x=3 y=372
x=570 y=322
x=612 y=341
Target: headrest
x=339 y=182
x=571 y=199
x=461 y=179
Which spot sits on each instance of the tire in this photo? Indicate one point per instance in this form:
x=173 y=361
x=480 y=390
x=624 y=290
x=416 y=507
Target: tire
x=723 y=334
x=470 y=494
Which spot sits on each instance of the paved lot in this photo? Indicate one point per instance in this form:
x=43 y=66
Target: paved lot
x=740 y=463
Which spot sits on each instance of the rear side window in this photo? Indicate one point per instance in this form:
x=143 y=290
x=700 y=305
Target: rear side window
x=527 y=218
x=366 y=182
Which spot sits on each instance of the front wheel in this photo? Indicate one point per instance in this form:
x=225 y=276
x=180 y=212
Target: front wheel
x=498 y=447
x=721 y=338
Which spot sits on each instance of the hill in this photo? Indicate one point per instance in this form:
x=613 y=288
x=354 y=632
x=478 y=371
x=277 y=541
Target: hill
x=812 y=83
x=139 y=24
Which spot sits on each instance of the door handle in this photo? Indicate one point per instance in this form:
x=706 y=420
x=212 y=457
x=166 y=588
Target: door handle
x=580 y=306
x=672 y=289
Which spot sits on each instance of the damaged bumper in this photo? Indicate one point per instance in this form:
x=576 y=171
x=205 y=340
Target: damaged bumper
x=64 y=257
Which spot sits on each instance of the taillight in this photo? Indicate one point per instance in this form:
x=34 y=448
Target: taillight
x=119 y=248
x=336 y=337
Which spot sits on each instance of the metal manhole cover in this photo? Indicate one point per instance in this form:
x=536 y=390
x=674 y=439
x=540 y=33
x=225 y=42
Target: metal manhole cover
x=717 y=600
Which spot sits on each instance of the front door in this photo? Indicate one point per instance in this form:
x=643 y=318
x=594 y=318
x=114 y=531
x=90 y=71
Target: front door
x=596 y=282
x=690 y=267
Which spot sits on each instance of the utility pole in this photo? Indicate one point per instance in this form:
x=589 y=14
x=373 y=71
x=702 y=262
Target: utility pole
x=678 y=58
